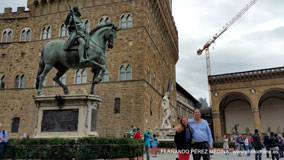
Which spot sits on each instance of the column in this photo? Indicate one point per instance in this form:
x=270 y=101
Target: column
x=256 y=117
x=217 y=126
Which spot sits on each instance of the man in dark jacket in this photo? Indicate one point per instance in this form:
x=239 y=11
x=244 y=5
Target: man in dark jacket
x=257 y=145
x=273 y=145
x=265 y=142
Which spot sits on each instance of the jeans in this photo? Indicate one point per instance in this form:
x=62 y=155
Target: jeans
x=147 y=150
x=247 y=149
x=201 y=149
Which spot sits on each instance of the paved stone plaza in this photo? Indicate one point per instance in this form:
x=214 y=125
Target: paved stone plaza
x=232 y=156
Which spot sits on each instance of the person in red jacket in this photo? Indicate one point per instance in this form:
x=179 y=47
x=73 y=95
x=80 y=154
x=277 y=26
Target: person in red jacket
x=137 y=135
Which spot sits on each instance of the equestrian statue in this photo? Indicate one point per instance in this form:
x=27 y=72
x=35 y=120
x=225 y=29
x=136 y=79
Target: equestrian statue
x=81 y=50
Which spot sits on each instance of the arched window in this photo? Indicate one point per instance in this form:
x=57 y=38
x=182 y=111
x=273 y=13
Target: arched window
x=29 y=33
x=43 y=33
x=107 y=19
x=101 y=21
x=23 y=36
x=128 y=72
x=129 y=21
x=17 y=81
x=104 y=20
x=2 y=84
x=148 y=76
x=87 y=25
x=63 y=79
x=126 y=21
x=81 y=76
x=106 y=77
x=10 y=35
x=62 y=31
x=122 y=73
x=123 y=22
x=117 y=105
x=154 y=81
x=84 y=76
x=22 y=84
x=49 y=32
x=5 y=36
x=78 y=77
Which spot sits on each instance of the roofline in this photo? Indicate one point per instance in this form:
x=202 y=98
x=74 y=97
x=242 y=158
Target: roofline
x=180 y=88
x=244 y=76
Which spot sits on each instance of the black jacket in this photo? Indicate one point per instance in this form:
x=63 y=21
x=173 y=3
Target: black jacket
x=273 y=142
x=180 y=140
x=256 y=142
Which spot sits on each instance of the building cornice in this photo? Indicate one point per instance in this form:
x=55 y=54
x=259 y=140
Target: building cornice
x=246 y=76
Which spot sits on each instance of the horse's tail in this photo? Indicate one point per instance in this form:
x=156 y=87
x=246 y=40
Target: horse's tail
x=40 y=69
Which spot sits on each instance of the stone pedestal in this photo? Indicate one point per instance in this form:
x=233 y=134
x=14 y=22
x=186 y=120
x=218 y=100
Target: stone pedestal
x=166 y=134
x=67 y=116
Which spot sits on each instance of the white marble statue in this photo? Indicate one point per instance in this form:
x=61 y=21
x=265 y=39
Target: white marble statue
x=166 y=111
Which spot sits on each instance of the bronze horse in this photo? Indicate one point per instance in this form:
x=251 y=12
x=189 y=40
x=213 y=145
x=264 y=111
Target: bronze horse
x=53 y=55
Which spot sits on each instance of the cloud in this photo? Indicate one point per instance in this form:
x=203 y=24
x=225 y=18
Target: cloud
x=253 y=42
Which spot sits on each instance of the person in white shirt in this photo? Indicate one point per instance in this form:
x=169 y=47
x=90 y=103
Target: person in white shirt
x=246 y=141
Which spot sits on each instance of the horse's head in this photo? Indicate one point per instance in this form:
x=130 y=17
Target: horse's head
x=111 y=35
x=104 y=34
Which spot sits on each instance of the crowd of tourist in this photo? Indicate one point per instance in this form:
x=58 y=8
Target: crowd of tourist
x=272 y=143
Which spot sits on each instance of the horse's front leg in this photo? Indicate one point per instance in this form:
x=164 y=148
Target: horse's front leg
x=95 y=75
x=101 y=76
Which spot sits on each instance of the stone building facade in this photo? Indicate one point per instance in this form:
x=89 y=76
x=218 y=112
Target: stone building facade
x=248 y=100
x=186 y=103
x=139 y=66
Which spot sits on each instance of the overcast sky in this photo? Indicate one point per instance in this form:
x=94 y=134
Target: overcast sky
x=255 y=41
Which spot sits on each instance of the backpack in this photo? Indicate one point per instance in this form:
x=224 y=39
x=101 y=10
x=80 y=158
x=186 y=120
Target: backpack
x=238 y=139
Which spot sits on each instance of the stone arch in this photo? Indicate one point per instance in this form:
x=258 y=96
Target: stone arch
x=271 y=109
x=235 y=108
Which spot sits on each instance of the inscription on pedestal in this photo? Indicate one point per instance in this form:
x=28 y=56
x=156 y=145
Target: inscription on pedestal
x=60 y=120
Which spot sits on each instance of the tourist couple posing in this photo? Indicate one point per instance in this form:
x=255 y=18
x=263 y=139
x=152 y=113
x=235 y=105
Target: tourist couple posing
x=194 y=136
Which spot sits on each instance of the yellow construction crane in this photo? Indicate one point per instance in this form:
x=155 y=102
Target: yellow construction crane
x=217 y=35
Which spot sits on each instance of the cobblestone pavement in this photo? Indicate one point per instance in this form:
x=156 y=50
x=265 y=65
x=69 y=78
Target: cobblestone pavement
x=216 y=156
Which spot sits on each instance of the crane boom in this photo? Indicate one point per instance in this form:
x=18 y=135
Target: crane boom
x=217 y=35
x=227 y=25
